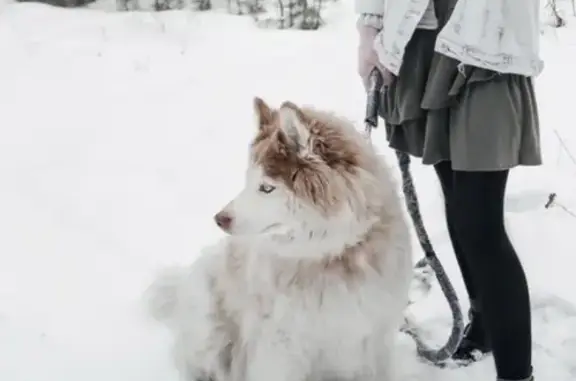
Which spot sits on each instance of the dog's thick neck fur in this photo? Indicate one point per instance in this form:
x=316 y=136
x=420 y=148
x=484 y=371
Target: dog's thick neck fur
x=318 y=243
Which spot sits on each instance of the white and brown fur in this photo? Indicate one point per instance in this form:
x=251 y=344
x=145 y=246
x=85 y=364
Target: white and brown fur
x=313 y=278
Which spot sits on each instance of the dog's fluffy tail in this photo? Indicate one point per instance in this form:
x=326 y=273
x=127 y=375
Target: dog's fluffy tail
x=162 y=295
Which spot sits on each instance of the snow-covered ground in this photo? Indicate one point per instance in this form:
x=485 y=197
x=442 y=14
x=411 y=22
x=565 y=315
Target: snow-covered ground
x=122 y=134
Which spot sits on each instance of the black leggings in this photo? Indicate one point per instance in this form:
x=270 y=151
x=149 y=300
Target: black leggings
x=491 y=270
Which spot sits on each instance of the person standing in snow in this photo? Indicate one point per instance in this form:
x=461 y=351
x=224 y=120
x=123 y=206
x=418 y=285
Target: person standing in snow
x=460 y=96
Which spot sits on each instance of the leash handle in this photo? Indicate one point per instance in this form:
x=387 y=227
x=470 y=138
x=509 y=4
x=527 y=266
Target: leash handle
x=373 y=100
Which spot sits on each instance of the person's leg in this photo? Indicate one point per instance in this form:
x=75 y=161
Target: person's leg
x=497 y=274
x=475 y=342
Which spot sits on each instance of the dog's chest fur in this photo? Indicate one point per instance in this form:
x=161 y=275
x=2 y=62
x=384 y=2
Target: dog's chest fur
x=327 y=307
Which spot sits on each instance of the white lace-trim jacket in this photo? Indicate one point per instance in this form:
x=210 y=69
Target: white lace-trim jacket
x=499 y=35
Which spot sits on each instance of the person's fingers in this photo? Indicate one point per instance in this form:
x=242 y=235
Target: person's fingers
x=367 y=73
x=387 y=76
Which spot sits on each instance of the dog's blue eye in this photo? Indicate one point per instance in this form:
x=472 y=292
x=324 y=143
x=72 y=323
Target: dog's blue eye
x=265 y=188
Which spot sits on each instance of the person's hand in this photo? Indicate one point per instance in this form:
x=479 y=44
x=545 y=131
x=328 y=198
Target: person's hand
x=368 y=58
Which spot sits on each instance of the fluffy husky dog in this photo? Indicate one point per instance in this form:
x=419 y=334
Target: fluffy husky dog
x=313 y=277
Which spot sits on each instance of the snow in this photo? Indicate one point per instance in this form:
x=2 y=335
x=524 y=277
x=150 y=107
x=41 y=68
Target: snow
x=122 y=134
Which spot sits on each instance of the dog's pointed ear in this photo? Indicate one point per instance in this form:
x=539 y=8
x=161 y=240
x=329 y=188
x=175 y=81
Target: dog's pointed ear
x=293 y=126
x=262 y=113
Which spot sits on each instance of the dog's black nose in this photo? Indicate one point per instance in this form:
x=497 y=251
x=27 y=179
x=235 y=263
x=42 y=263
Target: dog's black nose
x=223 y=220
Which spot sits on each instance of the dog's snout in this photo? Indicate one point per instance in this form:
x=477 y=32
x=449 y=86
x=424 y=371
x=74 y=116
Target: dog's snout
x=223 y=220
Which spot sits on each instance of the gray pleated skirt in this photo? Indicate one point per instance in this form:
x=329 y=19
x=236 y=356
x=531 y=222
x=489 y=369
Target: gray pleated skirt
x=478 y=119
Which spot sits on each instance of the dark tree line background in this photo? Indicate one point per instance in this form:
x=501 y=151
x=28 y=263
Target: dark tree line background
x=280 y=14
